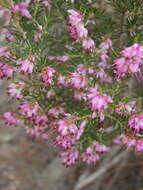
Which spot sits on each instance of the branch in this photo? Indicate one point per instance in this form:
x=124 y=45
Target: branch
x=100 y=171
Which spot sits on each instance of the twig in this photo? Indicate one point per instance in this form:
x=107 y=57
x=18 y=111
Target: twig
x=117 y=173
x=99 y=172
x=115 y=150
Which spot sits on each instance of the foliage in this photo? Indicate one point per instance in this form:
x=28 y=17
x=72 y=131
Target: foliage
x=69 y=77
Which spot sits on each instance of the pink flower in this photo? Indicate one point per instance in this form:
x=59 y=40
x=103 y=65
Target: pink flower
x=50 y=94
x=55 y=111
x=22 y=8
x=122 y=108
x=82 y=32
x=106 y=44
x=10 y=119
x=37 y=36
x=104 y=76
x=139 y=145
x=126 y=140
x=64 y=142
x=104 y=58
x=133 y=51
x=69 y=157
x=130 y=142
x=38 y=132
x=66 y=127
x=6 y=71
x=100 y=148
x=94 y=152
x=41 y=120
x=121 y=66
x=9 y=36
x=74 y=17
x=62 y=81
x=98 y=102
x=51 y=58
x=79 y=96
x=130 y=62
x=47 y=75
x=136 y=122
x=26 y=65
x=15 y=89
x=46 y=3
x=29 y=109
x=62 y=58
x=81 y=69
x=81 y=129
x=76 y=26
x=130 y=107
x=90 y=156
x=88 y=45
x=77 y=81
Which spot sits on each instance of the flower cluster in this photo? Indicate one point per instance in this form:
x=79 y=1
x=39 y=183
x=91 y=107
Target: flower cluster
x=136 y=122
x=130 y=62
x=93 y=153
x=6 y=71
x=27 y=65
x=129 y=141
x=98 y=102
x=71 y=95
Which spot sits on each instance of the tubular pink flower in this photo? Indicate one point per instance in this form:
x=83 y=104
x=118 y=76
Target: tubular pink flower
x=130 y=62
x=65 y=127
x=98 y=102
x=81 y=129
x=64 y=142
x=78 y=81
x=29 y=109
x=88 y=45
x=76 y=26
x=79 y=96
x=62 y=58
x=26 y=65
x=74 y=17
x=22 y=8
x=38 y=132
x=6 y=71
x=106 y=44
x=62 y=81
x=90 y=156
x=139 y=145
x=55 y=112
x=37 y=36
x=123 y=108
x=69 y=157
x=102 y=75
x=136 y=122
x=15 y=89
x=46 y=3
x=47 y=75
x=10 y=119
x=40 y=120
x=50 y=94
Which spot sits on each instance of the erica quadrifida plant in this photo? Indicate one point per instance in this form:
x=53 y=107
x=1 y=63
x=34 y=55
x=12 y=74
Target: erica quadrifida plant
x=70 y=78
